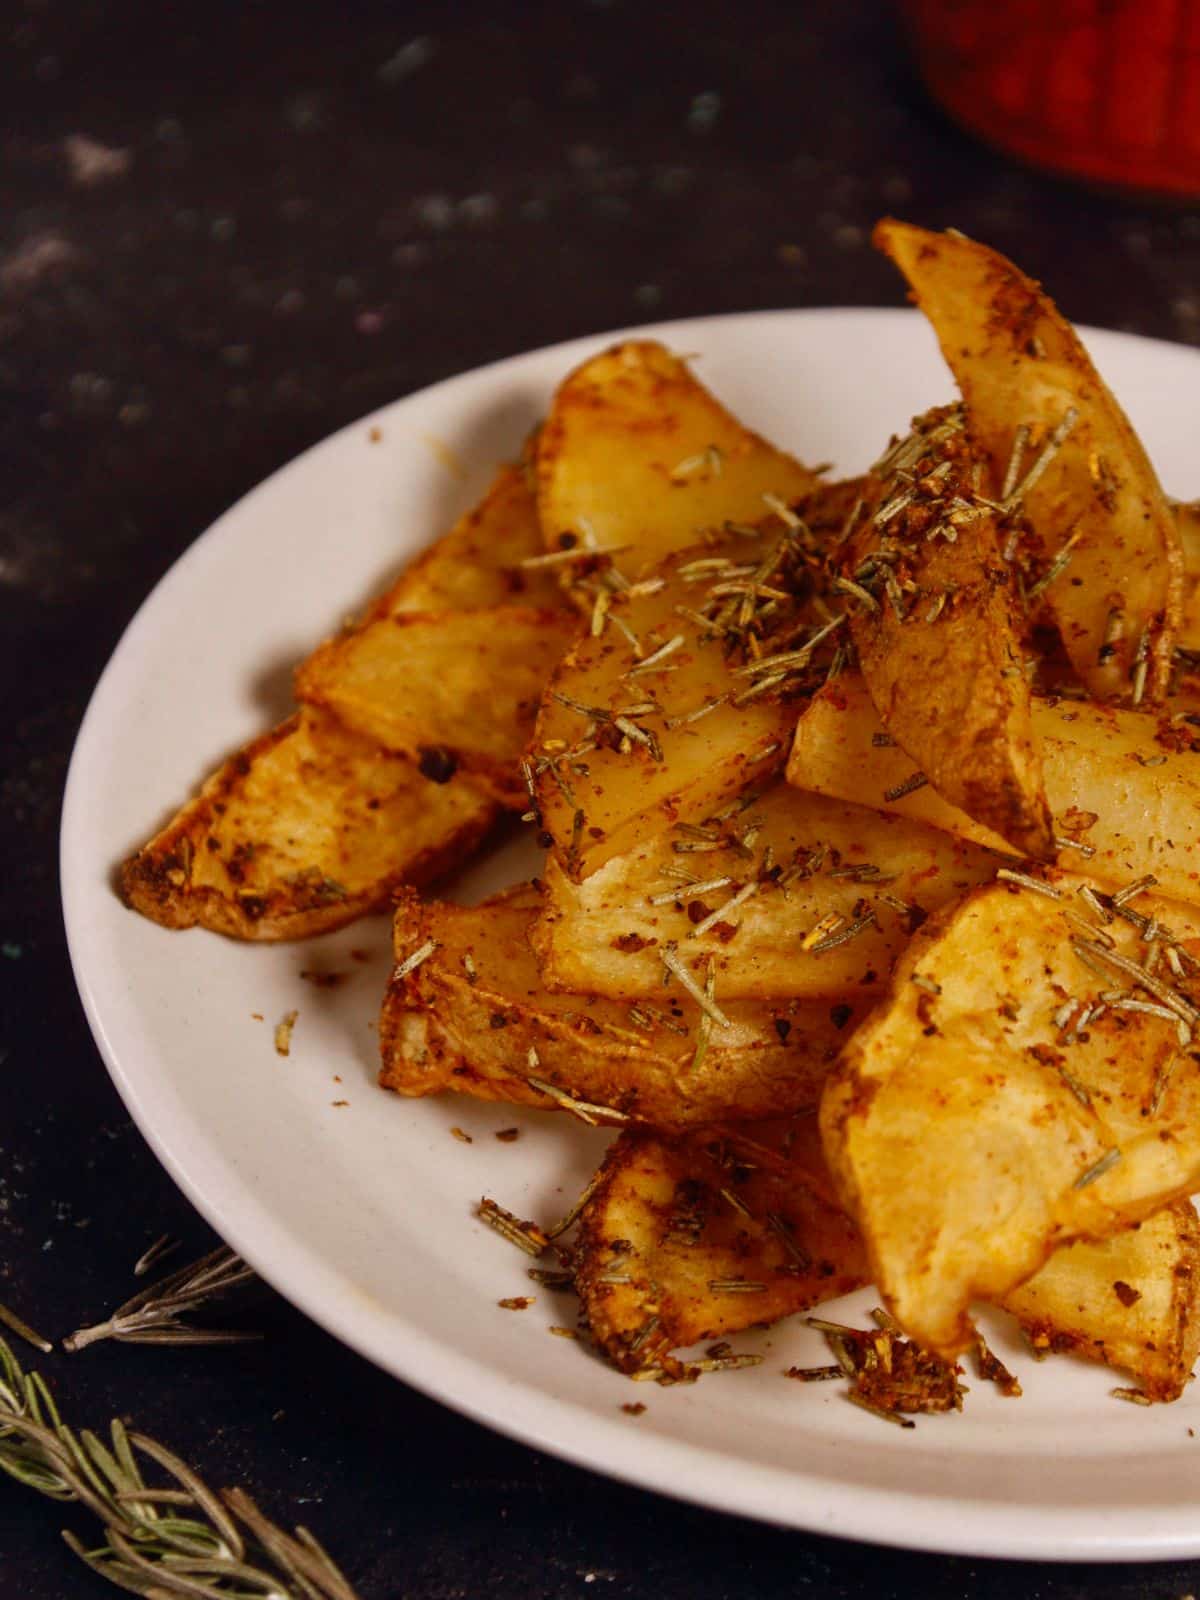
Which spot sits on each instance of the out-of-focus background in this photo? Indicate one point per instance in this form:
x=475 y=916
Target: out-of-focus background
x=226 y=230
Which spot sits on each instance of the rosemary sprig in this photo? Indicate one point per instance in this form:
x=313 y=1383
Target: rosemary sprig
x=152 y=1316
x=163 y=1542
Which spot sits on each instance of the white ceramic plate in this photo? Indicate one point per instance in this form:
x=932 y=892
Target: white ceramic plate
x=362 y=1214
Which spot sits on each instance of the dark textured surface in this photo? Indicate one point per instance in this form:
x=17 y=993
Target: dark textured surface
x=304 y=212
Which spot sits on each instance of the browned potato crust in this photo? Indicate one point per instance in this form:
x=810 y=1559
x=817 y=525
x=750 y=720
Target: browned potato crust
x=675 y=1221
x=1019 y=361
x=1128 y=1301
x=635 y=453
x=817 y=869
x=444 y=1027
x=670 y=1218
x=1011 y=1093
x=481 y=561
x=306 y=828
x=621 y=750
x=454 y=690
x=1123 y=785
x=939 y=642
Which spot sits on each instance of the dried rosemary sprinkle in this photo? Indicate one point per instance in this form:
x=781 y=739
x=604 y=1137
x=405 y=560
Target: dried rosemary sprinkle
x=843 y=935
x=736 y=1202
x=1087 y=851
x=724 y=911
x=1017 y=455
x=551 y=1277
x=676 y=968
x=1132 y=890
x=736 y=1286
x=1056 y=568
x=572 y=1216
x=561 y=558
x=1090 y=953
x=412 y=962
x=691 y=891
x=585 y=1110
x=1024 y=881
x=909 y=786
x=881 y=1412
x=527 y=1236
x=730 y=1363
x=656 y=658
x=152 y=1316
x=1137 y=1397
x=1098 y=1168
x=1045 y=456
x=1094 y=903
x=829 y=923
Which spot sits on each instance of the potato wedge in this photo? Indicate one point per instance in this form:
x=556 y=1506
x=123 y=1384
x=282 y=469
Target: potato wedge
x=1023 y=1084
x=815 y=869
x=657 y=1233
x=1121 y=784
x=484 y=560
x=449 y=1026
x=1019 y=362
x=934 y=619
x=454 y=690
x=1129 y=1301
x=305 y=829
x=637 y=455
x=632 y=736
x=698 y=1237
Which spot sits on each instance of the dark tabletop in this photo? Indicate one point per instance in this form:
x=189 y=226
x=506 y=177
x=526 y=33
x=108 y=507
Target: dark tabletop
x=225 y=230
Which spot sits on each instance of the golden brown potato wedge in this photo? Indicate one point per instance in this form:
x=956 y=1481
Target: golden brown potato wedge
x=657 y=717
x=671 y=1218
x=1019 y=363
x=474 y=1013
x=1025 y=1082
x=489 y=558
x=697 y=1237
x=454 y=690
x=637 y=455
x=306 y=828
x=797 y=895
x=1129 y=1301
x=934 y=619
x=1123 y=785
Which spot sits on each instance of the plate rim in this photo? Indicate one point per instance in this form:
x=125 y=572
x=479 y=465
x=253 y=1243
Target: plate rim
x=777 y=1495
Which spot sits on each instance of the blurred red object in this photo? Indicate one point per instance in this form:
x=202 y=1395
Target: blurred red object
x=1105 y=89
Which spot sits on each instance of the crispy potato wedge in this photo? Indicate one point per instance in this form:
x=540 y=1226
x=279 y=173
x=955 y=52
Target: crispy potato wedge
x=306 y=828
x=445 y=1026
x=993 y=1108
x=1121 y=784
x=482 y=561
x=815 y=868
x=637 y=455
x=1018 y=361
x=697 y=1237
x=660 y=1230
x=938 y=640
x=1129 y=1301
x=454 y=690
x=632 y=738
